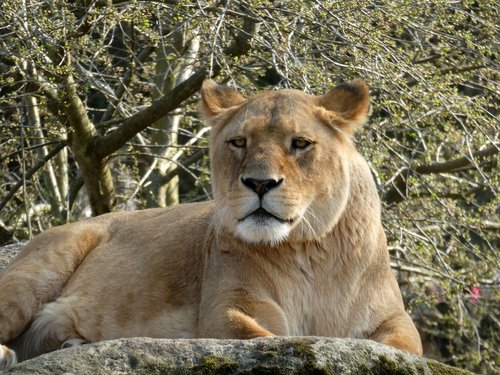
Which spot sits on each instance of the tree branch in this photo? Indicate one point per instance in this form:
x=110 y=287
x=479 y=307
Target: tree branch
x=31 y=172
x=399 y=185
x=74 y=189
x=103 y=146
x=454 y=165
x=185 y=163
x=125 y=83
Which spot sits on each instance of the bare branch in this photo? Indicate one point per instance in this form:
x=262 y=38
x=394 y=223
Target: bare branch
x=399 y=185
x=124 y=83
x=185 y=163
x=31 y=172
x=111 y=142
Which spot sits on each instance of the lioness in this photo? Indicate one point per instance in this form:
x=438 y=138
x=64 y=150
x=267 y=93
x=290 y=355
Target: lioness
x=292 y=243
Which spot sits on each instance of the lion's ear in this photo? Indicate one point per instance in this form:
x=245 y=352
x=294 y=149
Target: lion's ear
x=350 y=101
x=216 y=99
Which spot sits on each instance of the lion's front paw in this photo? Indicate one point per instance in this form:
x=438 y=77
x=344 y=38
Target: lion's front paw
x=8 y=358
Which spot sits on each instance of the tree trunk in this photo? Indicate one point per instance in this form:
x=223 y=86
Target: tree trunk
x=95 y=171
x=55 y=198
x=61 y=171
x=169 y=73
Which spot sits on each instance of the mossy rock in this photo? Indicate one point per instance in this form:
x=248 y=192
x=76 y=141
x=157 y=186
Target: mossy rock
x=273 y=356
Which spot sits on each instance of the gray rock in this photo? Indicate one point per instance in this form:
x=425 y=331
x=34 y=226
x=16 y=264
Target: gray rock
x=279 y=355
x=8 y=252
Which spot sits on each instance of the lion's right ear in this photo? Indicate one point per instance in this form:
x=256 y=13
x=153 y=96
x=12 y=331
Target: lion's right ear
x=349 y=102
x=217 y=99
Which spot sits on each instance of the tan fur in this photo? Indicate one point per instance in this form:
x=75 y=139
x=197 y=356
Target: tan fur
x=318 y=266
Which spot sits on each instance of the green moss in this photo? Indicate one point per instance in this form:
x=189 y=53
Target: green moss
x=304 y=351
x=420 y=368
x=266 y=370
x=389 y=366
x=439 y=368
x=213 y=364
x=154 y=367
x=268 y=354
x=385 y=365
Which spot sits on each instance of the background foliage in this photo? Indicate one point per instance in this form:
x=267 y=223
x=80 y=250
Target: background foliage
x=98 y=113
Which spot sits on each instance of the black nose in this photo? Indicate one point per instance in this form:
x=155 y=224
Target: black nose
x=261 y=187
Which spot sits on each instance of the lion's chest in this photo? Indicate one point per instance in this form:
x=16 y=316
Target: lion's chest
x=318 y=299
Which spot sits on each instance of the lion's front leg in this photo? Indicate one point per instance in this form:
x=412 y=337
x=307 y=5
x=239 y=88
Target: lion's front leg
x=243 y=326
x=399 y=332
x=243 y=320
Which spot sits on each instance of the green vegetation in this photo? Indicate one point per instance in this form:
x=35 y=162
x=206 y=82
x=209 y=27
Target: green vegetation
x=304 y=351
x=213 y=364
x=98 y=113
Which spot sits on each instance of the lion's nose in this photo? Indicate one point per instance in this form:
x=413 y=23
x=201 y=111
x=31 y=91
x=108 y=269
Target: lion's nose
x=261 y=187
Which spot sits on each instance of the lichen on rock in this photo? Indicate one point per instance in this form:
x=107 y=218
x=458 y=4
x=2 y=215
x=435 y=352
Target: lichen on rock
x=277 y=355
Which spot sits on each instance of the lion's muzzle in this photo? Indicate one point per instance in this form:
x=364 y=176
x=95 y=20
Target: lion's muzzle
x=261 y=187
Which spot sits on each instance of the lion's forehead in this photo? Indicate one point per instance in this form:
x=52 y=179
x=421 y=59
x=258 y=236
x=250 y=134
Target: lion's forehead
x=276 y=103
x=285 y=111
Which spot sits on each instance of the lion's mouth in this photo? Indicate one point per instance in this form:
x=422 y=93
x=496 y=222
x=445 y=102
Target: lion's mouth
x=261 y=216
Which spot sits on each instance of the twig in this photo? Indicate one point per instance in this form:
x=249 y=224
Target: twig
x=104 y=146
x=31 y=172
x=398 y=191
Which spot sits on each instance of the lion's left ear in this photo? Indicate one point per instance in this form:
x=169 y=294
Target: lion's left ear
x=216 y=99
x=349 y=103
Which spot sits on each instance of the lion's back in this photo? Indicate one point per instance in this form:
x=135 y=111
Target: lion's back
x=145 y=279
x=145 y=247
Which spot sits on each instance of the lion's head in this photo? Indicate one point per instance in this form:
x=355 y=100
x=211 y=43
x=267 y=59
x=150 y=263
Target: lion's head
x=280 y=159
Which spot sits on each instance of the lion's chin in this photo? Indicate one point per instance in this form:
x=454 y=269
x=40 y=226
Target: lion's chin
x=270 y=231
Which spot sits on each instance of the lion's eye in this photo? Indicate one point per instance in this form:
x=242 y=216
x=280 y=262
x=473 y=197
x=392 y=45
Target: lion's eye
x=238 y=142
x=300 y=143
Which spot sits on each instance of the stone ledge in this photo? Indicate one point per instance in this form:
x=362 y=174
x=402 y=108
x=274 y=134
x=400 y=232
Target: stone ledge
x=279 y=355
x=9 y=252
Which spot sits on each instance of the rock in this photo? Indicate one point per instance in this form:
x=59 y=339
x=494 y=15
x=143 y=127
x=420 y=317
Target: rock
x=278 y=355
x=8 y=252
